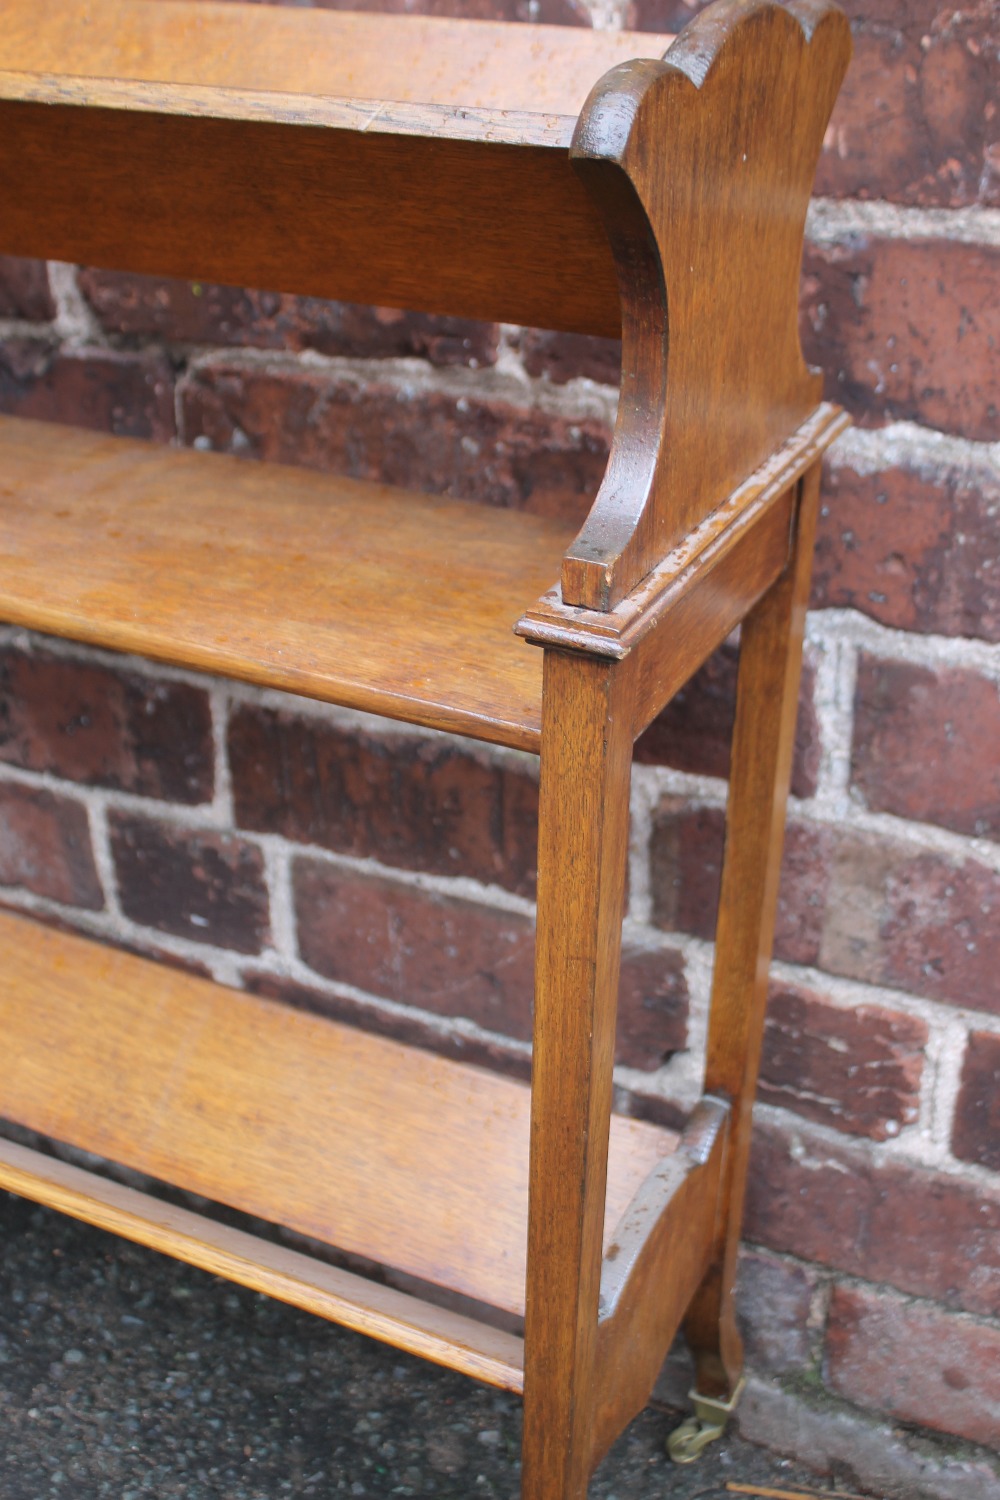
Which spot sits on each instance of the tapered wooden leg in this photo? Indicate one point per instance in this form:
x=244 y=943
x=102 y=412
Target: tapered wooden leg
x=763 y=741
x=582 y=848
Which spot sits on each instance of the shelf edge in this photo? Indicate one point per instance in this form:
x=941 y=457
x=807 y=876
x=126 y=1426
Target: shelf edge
x=397 y=1318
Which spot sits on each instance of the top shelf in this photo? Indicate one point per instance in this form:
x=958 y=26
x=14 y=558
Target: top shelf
x=476 y=65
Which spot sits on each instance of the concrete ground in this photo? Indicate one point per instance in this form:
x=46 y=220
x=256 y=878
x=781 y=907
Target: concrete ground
x=124 y=1374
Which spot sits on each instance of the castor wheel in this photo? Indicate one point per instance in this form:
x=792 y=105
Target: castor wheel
x=686 y=1442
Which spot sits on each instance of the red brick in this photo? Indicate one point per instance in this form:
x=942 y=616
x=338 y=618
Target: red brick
x=857 y=1070
x=686 y=857
x=916 y=119
x=906 y=330
x=915 y=1362
x=652 y=1006
x=197 y=884
x=694 y=732
x=478 y=449
x=976 y=1132
x=461 y=958
x=773 y=1299
x=925 y=745
x=421 y=804
x=917 y=113
x=402 y=1026
x=105 y=727
x=45 y=847
x=913 y=547
x=561 y=357
x=128 y=394
x=841 y=1205
x=189 y=312
x=547 y=12
x=24 y=290
x=416 y=947
x=914 y=921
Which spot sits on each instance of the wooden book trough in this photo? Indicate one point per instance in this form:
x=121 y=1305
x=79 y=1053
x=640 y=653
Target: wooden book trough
x=600 y=183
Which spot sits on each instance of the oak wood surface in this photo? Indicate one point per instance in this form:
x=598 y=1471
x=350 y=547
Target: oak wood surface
x=382 y=1312
x=653 y=1267
x=413 y=206
x=381 y=1150
x=479 y=65
x=582 y=846
x=327 y=587
x=763 y=743
x=713 y=378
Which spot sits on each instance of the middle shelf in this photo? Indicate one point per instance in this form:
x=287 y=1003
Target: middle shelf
x=381 y=599
x=384 y=1151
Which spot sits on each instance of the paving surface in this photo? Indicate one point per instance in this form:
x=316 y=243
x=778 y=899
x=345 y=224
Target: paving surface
x=124 y=1374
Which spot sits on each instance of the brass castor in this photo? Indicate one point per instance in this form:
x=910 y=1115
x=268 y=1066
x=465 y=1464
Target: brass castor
x=686 y=1442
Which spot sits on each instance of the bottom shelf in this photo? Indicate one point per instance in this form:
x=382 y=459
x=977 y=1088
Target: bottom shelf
x=389 y=1153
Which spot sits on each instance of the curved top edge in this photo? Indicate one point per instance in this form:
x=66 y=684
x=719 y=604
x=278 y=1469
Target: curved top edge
x=696 y=48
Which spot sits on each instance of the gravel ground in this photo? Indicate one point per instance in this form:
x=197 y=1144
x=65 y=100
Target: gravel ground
x=124 y=1374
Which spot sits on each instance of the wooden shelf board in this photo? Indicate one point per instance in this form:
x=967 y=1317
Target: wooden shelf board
x=395 y=1317
x=382 y=1150
x=376 y=598
x=330 y=54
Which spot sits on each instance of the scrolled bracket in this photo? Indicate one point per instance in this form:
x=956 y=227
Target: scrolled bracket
x=701 y=166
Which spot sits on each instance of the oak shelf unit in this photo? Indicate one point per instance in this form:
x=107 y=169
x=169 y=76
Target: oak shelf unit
x=547 y=176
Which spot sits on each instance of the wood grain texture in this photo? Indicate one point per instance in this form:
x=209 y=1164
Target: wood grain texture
x=385 y=600
x=763 y=743
x=280 y=1113
x=397 y=1318
x=713 y=378
x=414 y=206
x=653 y=1267
x=582 y=848
x=477 y=65
x=739 y=525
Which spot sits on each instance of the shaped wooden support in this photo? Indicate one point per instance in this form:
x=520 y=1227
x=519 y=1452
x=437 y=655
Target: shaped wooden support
x=712 y=372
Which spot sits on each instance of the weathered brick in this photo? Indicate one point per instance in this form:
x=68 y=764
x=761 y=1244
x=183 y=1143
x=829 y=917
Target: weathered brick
x=773 y=1302
x=925 y=744
x=913 y=547
x=105 y=727
x=915 y=1362
x=401 y=1026
x=916 y=120
x=24 y=290
x=478 y=449
x=652 y=1006
x=906 y=329
x=460 y=958
x=561 y=357
x=194 y=883
x=421 y=804
x=128 y=394
x=858 y=1069
x=976 y=1131
x=694 y=732
x=920 y=922
x=438 y=953
x=45 y=847
x=189 y=312
x=842 y=1205
x=686 y=857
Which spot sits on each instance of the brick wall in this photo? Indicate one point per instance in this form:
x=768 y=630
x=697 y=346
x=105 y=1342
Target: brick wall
x=386 y=876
